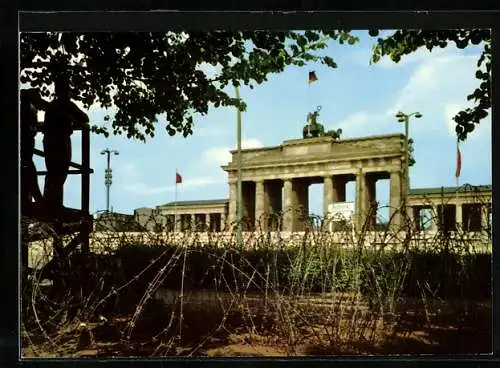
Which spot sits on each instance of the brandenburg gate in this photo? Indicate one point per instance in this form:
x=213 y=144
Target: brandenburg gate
x=287 y=170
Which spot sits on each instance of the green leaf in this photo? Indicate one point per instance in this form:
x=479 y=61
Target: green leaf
x=145 y=82
x=396 y=58
x=481 y=114
x=405 y=42
x=329 y=62
x=301 y=41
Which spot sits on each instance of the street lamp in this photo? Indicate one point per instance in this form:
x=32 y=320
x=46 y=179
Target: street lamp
x=108 y=174
x=405 y=118
x=239 y=204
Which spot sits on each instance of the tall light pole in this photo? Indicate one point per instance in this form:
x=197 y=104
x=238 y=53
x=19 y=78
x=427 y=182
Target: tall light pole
x=107 y=174
x=239 y=203
x=405 y=118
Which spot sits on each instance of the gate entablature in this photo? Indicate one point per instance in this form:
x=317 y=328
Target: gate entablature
x=296 y=163
x=312 y=156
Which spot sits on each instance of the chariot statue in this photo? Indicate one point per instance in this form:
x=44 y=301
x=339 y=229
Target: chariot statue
x=314 y=129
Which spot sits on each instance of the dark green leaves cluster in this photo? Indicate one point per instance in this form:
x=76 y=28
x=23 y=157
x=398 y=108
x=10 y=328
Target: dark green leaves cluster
x=404 y=42
x=144 y=75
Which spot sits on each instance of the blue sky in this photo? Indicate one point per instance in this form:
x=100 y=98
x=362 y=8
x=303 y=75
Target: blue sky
x=357 y=97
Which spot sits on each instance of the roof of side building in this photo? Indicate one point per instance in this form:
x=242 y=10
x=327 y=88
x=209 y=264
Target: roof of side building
x=203 y=202
x=449 y=190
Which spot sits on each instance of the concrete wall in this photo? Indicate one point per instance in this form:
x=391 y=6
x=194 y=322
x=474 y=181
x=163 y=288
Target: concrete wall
x=115 y=222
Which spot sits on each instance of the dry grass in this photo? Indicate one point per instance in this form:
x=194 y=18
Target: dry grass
x=307 y=298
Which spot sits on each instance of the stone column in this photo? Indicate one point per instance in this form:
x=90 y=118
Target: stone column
x=177 y=222
x=485 y=216
x=395 y=198
x=260 y=206
x=370 y=199
x=411 y=216
x=329 y=193
x=223 y=221
x=301 y=189
x=415 y=217
x=290 y=206
x=458 y=215
x=231 y=221
x=192 y=226
x=359 y=199
x=180 y=221
x=435 y=218
x=207 y=222
x=268 y=205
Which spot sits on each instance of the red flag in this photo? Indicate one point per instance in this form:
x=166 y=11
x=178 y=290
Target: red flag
x=178 y=178
x=459 y=162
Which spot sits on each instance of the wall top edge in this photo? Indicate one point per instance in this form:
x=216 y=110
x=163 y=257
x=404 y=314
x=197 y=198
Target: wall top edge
x=309 y=141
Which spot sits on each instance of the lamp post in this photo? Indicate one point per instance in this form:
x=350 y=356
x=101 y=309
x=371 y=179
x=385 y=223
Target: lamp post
x=108 y=174
x=239 y=204
x=405 y=118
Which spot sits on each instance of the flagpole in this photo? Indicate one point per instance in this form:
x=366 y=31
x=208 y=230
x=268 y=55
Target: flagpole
x=239 y=193
x=175 y=203
x=308 y=93
x=457 y=175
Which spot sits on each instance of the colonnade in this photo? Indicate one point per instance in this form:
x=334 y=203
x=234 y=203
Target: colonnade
x=196 y=222
x=267 y=202
x=454 y=216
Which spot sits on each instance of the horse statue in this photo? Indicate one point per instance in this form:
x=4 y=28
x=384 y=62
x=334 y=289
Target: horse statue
x=314 y=129
x=334 y=133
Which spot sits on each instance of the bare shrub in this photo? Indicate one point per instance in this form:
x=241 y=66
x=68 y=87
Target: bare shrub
x=174 y=293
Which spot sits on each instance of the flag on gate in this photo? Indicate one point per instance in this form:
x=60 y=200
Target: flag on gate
x=312 y=77
x=178 y=178
x=459 y=161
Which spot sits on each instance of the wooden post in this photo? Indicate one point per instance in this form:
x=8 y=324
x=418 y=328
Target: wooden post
x=24 y=250
x=86 y=170
x=85 y=195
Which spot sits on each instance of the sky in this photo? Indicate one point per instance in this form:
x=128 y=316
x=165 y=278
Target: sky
x=361 y=99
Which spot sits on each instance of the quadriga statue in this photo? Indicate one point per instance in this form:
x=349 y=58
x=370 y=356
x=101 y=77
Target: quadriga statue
x=334 y=133
x=314 y=129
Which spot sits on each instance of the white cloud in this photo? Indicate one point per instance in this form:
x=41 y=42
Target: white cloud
x=251 y=143
x=356 y=124
x=222 y=155
x=435 y=82
x=218 y=155
x=210 y=131
x=133 y=182
x=419 y=55
x=450 y=110
x=143 y=189
x=438 y=88
x=211 y=71
x=129 y=173
x=363 y=56
x=198 y=182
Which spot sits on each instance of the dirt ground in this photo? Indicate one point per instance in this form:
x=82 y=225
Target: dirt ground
x=215 y=327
